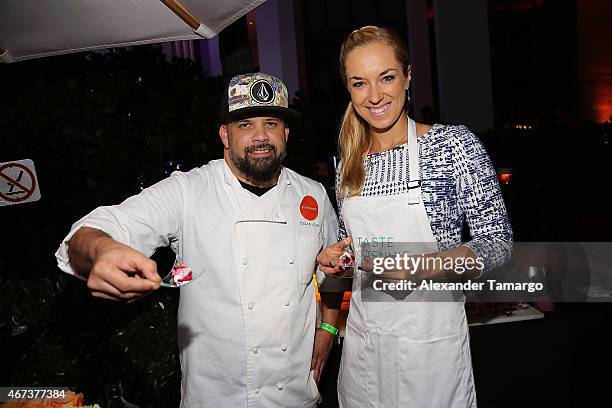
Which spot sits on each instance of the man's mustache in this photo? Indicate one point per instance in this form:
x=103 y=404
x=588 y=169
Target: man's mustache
x=261 y=146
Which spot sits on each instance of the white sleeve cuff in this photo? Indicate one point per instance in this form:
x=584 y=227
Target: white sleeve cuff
x=99 y=221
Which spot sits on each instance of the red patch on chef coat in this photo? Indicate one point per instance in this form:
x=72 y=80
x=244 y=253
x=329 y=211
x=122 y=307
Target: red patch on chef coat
x=309 y=208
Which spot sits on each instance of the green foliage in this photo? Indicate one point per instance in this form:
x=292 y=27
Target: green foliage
x=108 y=116
x=99 y=127
x=77 y=341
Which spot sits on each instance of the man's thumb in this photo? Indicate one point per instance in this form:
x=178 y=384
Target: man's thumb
x=148 y=267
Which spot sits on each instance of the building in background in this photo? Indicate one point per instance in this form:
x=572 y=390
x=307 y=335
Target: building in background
x=483 y=64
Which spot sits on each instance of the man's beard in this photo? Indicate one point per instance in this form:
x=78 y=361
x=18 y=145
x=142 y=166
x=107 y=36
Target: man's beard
x=260 y=168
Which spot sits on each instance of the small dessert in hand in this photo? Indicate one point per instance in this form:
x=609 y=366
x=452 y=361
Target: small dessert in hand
x=181 y=274
x=347 y=260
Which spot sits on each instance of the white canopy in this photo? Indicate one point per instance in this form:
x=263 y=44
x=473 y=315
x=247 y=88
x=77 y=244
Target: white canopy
x=39 y=28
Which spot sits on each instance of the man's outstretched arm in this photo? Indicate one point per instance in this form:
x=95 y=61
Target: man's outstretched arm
x=113 y=270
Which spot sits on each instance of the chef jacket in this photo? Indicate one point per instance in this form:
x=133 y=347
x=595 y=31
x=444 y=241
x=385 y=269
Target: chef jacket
x=246 y=325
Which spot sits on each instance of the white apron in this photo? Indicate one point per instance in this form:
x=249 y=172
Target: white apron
x=408 y=353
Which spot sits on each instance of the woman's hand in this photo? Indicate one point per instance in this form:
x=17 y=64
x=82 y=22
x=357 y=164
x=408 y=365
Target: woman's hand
x=328 y=258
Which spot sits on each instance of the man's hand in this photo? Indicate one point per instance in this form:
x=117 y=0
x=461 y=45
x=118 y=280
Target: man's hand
x=328 y=257
x=117 y=272
x=322 y=345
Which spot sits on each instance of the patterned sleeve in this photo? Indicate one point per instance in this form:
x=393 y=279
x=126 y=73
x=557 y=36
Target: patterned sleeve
x=341 y=228
x=481 y=201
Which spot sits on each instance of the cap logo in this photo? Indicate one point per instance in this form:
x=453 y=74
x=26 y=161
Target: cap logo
x=262 y=92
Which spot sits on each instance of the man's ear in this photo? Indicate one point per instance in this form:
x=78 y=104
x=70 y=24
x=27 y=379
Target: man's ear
x=286 y=134
x=223 y=136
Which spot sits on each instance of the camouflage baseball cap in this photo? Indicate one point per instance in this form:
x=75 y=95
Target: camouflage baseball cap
x=256 y=94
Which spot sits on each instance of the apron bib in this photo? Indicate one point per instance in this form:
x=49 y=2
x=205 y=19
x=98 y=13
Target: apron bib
x=409 y=353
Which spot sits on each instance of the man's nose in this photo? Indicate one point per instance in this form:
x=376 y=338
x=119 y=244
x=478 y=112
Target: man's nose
x=260 y=134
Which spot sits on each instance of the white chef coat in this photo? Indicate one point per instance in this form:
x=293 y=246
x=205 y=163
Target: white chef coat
x=246 y=326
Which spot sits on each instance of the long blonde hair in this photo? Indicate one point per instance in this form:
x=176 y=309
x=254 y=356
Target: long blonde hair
x=355 y=138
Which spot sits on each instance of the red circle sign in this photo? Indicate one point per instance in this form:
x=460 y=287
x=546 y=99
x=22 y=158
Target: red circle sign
x=27 y=191
x=309 y=208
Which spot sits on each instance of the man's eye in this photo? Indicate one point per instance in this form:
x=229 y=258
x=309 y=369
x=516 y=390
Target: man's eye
x=271 y=124
x=243 y=125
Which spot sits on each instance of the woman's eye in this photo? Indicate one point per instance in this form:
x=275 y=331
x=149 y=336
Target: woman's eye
x=357 y=84
x=388 y=78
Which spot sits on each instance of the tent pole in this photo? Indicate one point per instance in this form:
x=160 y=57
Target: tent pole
x=182 y=13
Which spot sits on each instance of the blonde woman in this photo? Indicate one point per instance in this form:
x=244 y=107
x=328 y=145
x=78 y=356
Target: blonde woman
x=401 y=181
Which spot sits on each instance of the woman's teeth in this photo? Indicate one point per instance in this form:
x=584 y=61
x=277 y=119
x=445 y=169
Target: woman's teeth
x=381 y=110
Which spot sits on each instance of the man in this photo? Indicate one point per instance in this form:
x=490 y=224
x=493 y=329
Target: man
x=246 y=326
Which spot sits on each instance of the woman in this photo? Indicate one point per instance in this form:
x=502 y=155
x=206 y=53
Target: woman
x=401 y=181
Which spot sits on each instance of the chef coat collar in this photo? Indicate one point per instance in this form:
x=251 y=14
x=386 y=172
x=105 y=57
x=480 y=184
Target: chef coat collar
x=231 y=179
x=272 y=216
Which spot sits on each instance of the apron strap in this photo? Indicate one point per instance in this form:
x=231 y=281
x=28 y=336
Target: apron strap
x=414 y=180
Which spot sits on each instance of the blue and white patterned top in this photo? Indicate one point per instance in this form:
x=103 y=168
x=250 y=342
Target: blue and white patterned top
x=458 y=182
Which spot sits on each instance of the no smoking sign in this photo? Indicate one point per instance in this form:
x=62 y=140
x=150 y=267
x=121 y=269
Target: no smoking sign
x=18 y=183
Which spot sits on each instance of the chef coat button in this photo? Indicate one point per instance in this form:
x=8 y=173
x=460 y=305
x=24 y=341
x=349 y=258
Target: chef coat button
x=244 y=261
x=288 y=182
x=250 y=306
x=290 y=260
x=256 y=391
x=284 y=347
x=255 y=350
x=279 y=386
x=286 y=303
